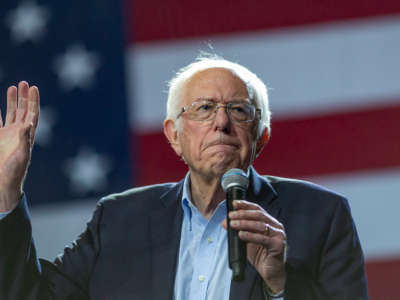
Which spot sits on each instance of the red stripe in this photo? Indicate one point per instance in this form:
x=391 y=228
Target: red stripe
x=333 y=143
x=155 y=160
x=155 y=20
x=383 y=279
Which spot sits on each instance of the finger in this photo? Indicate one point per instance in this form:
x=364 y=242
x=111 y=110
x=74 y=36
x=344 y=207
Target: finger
x=257 y=227
x=246 y=205
x=32 y=115
x=11 y=104
x=275 y=231
x=256 y=238
x=22 y=106
x=31 y=136
x=275 y=244
x=256 y=215
x=246 y=225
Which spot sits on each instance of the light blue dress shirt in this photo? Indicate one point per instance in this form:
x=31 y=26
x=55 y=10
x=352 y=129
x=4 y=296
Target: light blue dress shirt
x=203 y=270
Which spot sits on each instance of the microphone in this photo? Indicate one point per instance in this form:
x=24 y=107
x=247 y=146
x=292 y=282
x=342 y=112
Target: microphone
x=234 y=183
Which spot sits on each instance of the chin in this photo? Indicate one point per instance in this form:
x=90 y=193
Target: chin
x=224 y=165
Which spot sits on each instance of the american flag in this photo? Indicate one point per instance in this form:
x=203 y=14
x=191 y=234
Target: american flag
x=332 y=68
x=74 y=52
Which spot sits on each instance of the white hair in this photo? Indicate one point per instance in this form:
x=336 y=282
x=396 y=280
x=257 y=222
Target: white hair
x=256 y=88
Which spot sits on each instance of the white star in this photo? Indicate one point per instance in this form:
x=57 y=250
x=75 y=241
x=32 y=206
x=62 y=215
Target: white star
x=27 y=22
x=76 y=67
x=87 y=171
x=46 y=122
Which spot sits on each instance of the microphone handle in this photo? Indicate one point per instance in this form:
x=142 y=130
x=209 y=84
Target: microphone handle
x=236 y=247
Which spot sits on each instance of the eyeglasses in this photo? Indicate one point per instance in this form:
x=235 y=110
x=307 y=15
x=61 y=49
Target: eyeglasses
x=206 y=109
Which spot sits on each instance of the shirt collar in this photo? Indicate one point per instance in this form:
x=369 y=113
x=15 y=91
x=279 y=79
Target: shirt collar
x=187 y=204
x=186 y=196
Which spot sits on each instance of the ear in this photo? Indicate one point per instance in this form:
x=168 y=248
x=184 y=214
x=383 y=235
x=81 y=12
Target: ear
x=262 y=141
x=171 y=132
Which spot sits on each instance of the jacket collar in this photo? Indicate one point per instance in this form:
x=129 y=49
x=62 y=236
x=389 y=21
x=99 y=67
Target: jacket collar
x=260 y=189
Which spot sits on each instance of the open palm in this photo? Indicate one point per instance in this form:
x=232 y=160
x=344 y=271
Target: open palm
x=16 y=141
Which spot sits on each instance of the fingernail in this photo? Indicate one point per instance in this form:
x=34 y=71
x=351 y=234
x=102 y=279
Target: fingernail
x=234 y=223
x=233 y=214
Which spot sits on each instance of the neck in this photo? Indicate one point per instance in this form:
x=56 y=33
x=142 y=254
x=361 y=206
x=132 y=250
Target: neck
x=206 y=193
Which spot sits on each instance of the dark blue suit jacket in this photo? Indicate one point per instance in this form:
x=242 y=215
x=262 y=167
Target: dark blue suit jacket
x=129 y=248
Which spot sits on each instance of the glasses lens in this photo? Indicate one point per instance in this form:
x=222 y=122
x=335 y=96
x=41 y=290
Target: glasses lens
x=202 y=110
x=241 y=111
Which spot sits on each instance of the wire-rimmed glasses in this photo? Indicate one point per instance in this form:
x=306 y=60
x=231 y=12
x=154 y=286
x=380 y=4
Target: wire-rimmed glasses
x=206 y=109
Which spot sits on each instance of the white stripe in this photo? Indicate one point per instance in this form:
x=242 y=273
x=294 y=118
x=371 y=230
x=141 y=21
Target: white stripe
x=308 y=69
x=374 y=201
x=55 y=226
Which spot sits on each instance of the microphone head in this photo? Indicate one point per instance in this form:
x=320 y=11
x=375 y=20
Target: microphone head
x=234 y=177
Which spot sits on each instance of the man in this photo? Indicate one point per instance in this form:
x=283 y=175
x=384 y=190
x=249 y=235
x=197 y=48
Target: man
x=166 y=241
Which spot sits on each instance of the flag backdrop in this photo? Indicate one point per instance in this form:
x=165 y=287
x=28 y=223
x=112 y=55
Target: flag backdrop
x=332 y=68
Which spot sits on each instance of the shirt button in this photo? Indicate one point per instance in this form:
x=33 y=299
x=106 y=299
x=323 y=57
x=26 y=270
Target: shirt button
x=202 y=278
x=209 y=240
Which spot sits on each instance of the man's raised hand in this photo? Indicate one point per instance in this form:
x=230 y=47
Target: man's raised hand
x=17 y=134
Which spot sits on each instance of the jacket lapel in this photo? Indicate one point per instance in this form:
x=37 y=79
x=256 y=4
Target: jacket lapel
x=261 y=192
x=165 y=233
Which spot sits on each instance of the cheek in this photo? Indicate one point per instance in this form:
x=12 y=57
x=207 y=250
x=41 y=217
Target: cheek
x=190 y=142
x=248 y=145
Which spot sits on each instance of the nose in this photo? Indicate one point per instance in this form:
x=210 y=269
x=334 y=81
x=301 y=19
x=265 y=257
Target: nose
x=221 y=121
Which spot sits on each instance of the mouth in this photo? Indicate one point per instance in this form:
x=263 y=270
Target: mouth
x=222 y=146
x=222 y=143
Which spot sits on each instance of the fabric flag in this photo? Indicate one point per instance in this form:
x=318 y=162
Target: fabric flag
x=332 y=68
x=73 y=51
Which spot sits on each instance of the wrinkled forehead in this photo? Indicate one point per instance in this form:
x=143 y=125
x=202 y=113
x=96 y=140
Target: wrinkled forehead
x=219 y=83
